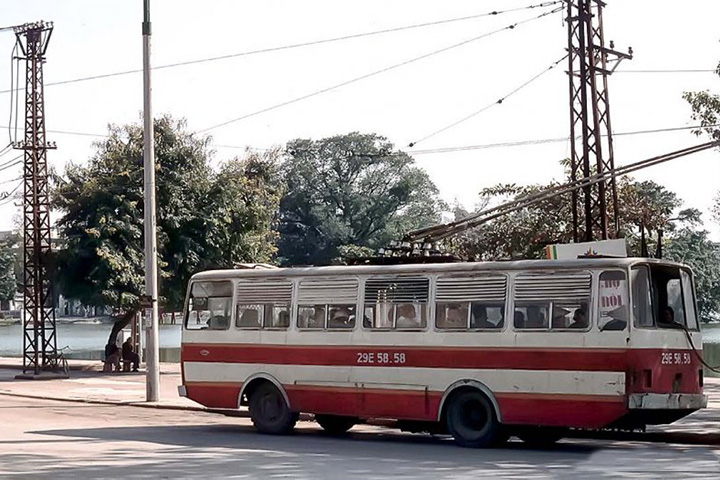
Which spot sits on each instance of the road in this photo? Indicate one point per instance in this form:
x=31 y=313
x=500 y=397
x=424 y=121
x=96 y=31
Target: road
x=56 y=439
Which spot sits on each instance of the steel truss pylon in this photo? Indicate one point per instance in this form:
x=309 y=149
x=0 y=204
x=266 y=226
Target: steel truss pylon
x=590 y=64
x=39 y=339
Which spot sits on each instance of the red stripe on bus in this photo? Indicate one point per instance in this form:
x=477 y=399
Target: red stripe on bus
x=581 y=411
x=586 y=359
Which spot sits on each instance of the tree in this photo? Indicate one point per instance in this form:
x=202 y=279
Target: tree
x=102 y=219
x=347 y=192
x=8 y=260
x=706 y=110
x=526 y=232
x=692 y=247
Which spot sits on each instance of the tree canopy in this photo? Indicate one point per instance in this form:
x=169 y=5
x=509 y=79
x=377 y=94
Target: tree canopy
x=204 y=219
x=347 y=192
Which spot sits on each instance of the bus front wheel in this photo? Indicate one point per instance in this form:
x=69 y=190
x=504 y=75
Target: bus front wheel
x=269 y=412
x=334 y=424
x=471 y=420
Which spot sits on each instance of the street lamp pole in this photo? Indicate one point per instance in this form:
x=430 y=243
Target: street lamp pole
x=152 y=354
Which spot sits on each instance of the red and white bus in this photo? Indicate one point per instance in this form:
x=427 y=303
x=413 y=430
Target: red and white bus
x=478 y=350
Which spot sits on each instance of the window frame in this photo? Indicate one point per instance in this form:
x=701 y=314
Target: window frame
x=425 y=313
x=231 y=310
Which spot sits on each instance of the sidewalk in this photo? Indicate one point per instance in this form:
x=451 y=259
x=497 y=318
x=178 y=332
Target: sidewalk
x=87 y=383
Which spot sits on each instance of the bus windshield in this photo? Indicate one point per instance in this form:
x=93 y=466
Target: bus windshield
x=663 y=297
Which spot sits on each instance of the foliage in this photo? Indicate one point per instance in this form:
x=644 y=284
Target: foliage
x=692 y=247
x=526 y=232
x=8 y=260
x=349 y=190
x=706 y=110
x=204 y=220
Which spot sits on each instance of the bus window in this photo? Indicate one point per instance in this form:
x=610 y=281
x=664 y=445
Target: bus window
x=249 y=316
x=532 y=316
x=613 y=302
x=210 y=306
x=311 y=316
x=667 y=296
x=484 y=316
x=641 y=298
x=552 y=301
x=689 y=298
x=396 y=303
x=277 y=316
x=341 y=316
x=452 y=316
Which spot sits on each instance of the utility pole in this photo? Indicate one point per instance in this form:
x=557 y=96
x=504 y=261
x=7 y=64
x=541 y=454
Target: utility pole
x=152 y=353
x=590 y=64
x=39 y=339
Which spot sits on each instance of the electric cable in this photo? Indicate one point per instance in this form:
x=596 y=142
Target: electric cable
x=11 y=163
x=11 y=180
x=7 y=197
x=487 y=107
x=696 y=352
x=303 y=44
x=521 y=143
x=12 y=90
x=378 y=72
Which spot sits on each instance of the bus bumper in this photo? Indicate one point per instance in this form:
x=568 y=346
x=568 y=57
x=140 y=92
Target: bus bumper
x=667 y=401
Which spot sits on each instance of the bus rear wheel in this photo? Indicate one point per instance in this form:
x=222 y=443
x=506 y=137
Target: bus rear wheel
x=335 y=424
x=471 y=420
x=269 y=412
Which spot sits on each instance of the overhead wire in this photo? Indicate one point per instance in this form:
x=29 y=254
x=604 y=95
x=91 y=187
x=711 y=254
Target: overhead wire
x=540 y=141
x=304 y=44
x=382 y=70
x=7 y=197
x=489 y=106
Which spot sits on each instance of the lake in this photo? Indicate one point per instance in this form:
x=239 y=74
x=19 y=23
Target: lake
x=87 y=341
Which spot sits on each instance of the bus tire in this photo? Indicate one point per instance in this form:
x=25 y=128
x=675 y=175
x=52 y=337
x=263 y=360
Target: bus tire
x=540 y=437
x=335 y=424
x=471 y=420
x=269 y=412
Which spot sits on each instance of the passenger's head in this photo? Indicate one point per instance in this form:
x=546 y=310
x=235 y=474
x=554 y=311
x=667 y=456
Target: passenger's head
x=455 y=316
x=406 y=310
x=580 y=317
x=667 y=315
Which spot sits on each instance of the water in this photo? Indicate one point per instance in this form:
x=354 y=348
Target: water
x=87 y=341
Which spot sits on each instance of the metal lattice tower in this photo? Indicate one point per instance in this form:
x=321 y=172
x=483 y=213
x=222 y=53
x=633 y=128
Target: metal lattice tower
x=590 y=64
x=39 y=339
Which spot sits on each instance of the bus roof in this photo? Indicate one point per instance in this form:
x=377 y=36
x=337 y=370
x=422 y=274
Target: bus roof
x=429 y=268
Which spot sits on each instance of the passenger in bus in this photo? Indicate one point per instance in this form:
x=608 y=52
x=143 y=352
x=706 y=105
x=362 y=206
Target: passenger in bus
x=667 y=318
x=479 y=318
x=406 y=316
x=455 y=317
x=579 y=319
x=535 y=318
x=249 y=318
x=519 y=320
x=340 y=317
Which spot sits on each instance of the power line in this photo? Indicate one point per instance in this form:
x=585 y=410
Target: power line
x=667 y=71
x=521 y=143
x=7 y=197
x=378 y=72
x=302 y=44
x=487 y=107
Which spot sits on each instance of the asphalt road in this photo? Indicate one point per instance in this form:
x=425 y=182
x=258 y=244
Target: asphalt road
x=48 y=439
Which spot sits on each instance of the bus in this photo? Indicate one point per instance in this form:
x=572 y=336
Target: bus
x=480 y=351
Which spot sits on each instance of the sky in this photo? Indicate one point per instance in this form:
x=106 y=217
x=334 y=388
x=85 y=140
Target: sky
x=406 y=103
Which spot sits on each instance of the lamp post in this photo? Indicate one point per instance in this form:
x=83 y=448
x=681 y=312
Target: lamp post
x=152 y=354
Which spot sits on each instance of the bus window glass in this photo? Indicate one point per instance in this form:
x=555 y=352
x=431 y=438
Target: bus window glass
x=452 y=316
x=277 y=316
x=570 y=315
x=689 y=298
x=397 y=302
x=210 y=306
x=533 y=316
x=311 y=316
x=675 y=300
x=613 y=302
x=249 y=316
x=341 y=316
x=642 y=298
x=484 y=316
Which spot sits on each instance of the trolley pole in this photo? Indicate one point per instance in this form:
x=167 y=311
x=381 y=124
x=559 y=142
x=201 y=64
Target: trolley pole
x=152 y=354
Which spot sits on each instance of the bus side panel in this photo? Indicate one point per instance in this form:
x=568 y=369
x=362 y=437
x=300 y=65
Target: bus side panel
x=560 y=410
x=214 y=394
x=670 y=370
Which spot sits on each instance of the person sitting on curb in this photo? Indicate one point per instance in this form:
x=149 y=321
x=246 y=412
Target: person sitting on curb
x=129 y=355
x=112 y=358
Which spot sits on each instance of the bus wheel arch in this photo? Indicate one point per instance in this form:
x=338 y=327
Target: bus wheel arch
x=471 y=415
x=253 y=382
